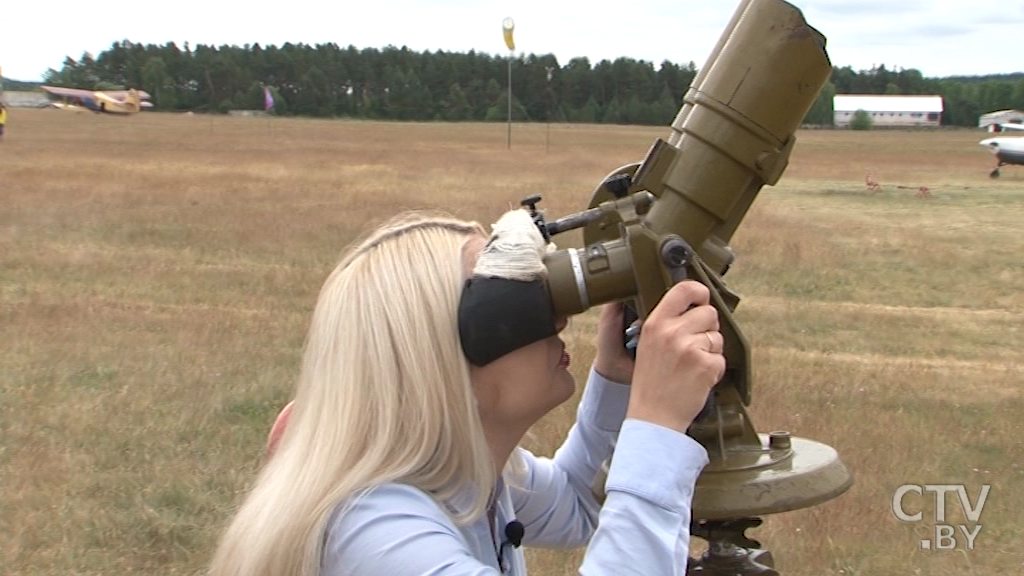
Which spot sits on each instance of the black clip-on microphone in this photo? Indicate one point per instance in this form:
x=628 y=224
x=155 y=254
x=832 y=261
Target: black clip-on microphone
x=514 y=532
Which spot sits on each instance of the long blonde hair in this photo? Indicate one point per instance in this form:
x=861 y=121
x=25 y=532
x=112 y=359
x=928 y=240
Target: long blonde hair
x=384 y=396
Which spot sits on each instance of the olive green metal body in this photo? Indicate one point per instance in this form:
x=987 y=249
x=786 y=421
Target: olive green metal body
x=733 y=134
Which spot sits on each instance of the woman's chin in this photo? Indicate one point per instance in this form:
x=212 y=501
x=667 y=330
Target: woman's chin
x=567 y=384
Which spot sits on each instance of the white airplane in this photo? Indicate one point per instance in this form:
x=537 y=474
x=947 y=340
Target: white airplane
x=1008 y=151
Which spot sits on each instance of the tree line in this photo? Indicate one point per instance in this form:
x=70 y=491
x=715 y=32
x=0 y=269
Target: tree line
x=327 y=80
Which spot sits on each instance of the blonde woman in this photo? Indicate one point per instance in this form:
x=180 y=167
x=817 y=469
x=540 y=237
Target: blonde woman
x=431 y=352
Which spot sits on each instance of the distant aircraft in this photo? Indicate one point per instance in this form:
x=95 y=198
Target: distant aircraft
x=1008 y=151
x=108 y=101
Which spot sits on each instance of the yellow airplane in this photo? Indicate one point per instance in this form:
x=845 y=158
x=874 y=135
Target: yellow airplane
x=107 y=101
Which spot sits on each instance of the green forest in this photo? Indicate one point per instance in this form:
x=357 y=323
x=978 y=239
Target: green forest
x=327 y=80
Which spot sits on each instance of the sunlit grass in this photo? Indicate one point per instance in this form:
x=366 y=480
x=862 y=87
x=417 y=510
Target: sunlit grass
x=157 y=274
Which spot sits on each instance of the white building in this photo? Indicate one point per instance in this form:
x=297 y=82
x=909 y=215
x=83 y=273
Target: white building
x=1001 y=117
x=16 y=99
x=889 y=110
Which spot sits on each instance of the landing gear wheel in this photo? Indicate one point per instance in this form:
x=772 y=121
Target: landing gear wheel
x=994 y=173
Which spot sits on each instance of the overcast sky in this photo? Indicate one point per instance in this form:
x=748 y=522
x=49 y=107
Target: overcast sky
x=938 y=37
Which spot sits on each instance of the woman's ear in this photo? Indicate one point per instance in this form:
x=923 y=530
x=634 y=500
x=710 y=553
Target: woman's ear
x=274 y=438
x=471 y=252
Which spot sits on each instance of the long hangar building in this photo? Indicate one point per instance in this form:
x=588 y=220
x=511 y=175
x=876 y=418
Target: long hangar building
x=889 y=110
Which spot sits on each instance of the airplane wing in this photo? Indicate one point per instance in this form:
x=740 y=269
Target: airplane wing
x=122 y=94
x=1001 y=127
x=79 y=93
x=68 y=92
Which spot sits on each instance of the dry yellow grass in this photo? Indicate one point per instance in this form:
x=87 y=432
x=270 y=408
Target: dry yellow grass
x=157 y=274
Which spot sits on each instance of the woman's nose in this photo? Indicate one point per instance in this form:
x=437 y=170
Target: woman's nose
x=560 y=323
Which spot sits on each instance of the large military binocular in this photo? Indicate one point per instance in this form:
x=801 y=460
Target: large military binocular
x=671 y=217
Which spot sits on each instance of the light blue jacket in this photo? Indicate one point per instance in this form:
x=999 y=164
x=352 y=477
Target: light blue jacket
x=642 y=529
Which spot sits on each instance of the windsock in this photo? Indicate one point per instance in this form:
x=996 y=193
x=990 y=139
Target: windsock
x=507 y=26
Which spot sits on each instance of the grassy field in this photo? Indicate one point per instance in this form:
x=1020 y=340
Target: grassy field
x=157 y=274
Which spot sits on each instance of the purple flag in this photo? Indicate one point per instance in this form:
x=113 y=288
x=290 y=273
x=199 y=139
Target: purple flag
x=268 y=99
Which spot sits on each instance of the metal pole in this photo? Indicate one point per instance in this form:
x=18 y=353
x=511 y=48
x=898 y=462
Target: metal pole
x=547 y=135
x=510 y=99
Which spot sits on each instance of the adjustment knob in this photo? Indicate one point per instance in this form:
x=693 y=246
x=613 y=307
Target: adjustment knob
x=531 y=202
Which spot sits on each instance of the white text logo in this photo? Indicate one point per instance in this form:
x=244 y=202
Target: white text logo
x=947 y=536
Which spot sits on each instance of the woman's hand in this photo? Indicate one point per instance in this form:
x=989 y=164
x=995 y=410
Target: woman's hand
x=613 y=361
x=679 y=358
